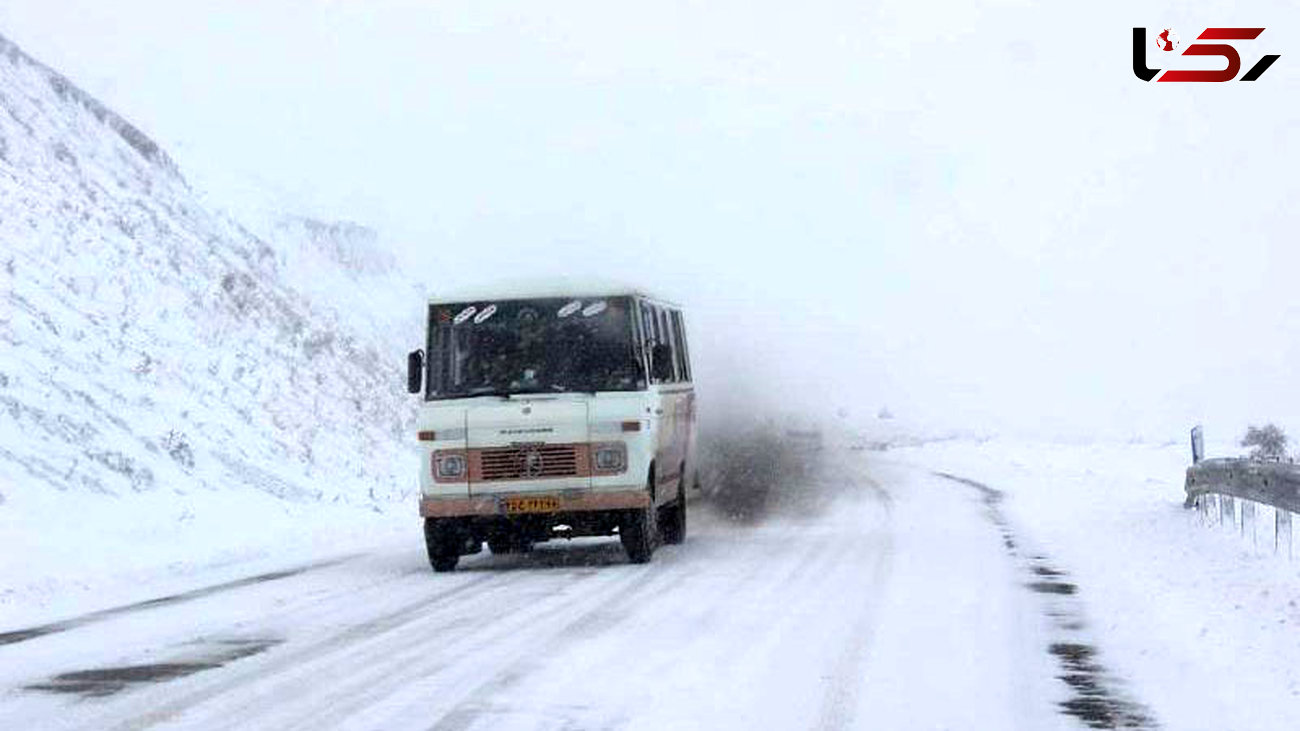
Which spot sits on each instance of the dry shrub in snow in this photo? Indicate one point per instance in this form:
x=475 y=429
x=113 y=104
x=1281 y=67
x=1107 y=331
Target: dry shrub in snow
x=1268 y=442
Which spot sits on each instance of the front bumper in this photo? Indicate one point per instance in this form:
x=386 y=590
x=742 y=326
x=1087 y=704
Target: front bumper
x=570 y=502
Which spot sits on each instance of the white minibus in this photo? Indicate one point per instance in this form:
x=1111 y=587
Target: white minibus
x=553 y=414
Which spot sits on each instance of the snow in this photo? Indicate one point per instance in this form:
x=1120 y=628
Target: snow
x=167 y=375
x=1201 y=620
x=846 y=610
x=108 y=552
x=191 y=396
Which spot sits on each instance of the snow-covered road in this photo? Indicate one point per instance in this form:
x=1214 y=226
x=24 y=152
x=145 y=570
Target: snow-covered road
x=890 y=600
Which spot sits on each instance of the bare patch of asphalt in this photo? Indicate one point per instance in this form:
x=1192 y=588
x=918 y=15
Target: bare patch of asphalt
x=101 y=682
x=30 y=633
x=1096 y=696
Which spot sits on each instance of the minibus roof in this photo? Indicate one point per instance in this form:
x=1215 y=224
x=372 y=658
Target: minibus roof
x=562 y=287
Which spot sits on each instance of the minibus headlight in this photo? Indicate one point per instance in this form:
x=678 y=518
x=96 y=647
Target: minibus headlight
x=448 y=465
x=609 y=457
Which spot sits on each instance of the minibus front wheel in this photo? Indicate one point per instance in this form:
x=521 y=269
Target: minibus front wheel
x=673 y=524
x=639 y=529
x=443 y=540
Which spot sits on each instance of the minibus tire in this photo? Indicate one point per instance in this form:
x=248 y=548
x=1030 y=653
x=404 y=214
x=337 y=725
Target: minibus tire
x=637 y=531
x=443 y=545
x=674 y=528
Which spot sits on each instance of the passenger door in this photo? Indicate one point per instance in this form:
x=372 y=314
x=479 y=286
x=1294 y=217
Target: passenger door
x=674 y=395
x=686 y=415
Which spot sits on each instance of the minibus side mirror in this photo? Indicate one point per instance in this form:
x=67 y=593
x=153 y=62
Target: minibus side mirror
x=414 y=371
x=661 y=362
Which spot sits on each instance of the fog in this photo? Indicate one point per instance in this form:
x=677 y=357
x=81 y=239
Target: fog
x=972 y=213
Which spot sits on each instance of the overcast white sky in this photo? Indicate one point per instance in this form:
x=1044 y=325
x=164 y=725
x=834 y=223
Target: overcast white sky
x=971 y=212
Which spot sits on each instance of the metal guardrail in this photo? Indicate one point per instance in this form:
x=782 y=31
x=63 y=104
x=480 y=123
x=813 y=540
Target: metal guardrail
x=1271 y=483
x=1216 y=486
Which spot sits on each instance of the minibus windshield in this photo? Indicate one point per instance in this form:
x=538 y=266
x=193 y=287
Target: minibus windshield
x=552 y=345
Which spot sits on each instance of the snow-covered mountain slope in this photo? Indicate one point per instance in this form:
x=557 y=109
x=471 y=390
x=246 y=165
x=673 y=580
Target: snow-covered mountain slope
x=149 y=344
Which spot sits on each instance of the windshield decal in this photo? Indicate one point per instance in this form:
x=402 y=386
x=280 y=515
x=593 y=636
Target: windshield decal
x=595 y=308
x=465 y=314
x=569 y=309
x=487 y=312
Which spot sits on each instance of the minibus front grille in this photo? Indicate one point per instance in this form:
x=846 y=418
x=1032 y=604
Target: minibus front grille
x=529 y=462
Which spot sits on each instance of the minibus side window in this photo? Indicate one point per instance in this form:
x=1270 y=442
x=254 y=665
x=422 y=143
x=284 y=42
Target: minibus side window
x=655 y=333
x=645 y=337
x=677 y=345
x=683 y=355
x=667 y=335
x=647 y=325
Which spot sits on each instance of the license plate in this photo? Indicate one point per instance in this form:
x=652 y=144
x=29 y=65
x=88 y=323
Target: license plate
x=532 y=504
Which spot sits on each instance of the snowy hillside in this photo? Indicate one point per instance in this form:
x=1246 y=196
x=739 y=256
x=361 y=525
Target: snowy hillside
x=322 y=259
x=153 y=347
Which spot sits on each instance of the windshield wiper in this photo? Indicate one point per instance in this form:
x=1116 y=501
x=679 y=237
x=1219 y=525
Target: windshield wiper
x=502 y=392
x=488 y=391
